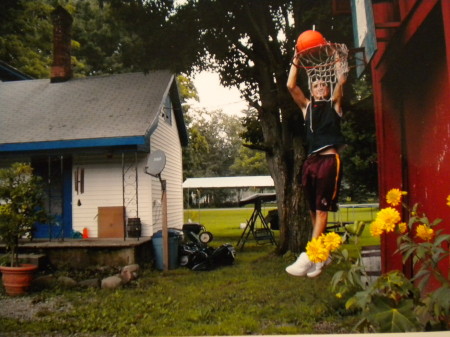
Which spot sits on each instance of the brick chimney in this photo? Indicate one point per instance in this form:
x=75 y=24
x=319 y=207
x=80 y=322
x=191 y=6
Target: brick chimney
x=62 y=25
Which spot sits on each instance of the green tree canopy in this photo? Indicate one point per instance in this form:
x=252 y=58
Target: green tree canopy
x=215 y=147
x=249 y=43
x=214 y=143
x=25 y=28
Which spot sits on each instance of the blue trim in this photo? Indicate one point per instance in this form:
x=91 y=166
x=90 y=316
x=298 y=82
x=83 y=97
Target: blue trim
x=67 y=199
x=369 y=42
x=72 y=144
x=61 y=224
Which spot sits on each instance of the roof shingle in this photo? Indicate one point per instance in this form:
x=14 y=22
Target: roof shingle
x=123 y=105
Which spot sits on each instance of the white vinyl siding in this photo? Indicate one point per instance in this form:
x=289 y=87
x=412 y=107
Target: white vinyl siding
x=166 y=138
x=103 y=187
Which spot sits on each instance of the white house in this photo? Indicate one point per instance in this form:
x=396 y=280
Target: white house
x=90 y=138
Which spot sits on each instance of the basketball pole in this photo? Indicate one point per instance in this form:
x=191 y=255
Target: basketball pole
x=155 y=165
x=165 y=232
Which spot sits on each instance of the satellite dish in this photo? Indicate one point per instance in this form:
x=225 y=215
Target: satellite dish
x=155 y=163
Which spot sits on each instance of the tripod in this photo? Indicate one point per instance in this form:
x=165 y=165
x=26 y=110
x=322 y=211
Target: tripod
x=260 y=234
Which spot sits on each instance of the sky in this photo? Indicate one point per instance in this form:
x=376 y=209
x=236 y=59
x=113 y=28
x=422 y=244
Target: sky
x=214 y=97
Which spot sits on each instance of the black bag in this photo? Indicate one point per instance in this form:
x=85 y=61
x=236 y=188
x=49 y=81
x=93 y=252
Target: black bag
x=207 y=258
x=197 y=255
x=192 y=255
x=224 y=255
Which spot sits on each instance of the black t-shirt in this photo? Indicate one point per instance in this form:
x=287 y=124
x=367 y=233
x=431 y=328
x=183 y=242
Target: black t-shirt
x=324 y=129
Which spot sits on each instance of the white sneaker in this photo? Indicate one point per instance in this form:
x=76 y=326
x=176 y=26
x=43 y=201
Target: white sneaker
x=316 y=269
x=301 y=266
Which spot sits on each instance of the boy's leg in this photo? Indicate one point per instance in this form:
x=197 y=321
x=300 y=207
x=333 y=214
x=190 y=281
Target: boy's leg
x=320 y=223
x=327 y=191
x=313 y=217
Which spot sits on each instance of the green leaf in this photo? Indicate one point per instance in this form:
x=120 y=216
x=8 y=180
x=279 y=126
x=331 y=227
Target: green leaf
x=435 y=222
x=337 y=277
x=424 y=281
x=351 y=303
x=442 y=297
x=442 y=238
x=407 y=253
x=393 y=319
x=360 y=300
x=345 y=253
x=420 y=274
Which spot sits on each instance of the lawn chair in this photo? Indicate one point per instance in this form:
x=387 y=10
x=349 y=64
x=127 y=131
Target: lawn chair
x=354 y=230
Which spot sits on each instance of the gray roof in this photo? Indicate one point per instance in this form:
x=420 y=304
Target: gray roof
x=122 y=105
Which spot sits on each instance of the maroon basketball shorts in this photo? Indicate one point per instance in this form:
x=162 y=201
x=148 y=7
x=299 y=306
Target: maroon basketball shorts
x=321 y=179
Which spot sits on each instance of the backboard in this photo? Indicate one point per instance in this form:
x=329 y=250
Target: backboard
x=364 y=33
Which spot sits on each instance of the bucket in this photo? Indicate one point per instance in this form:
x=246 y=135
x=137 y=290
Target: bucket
x=134 y=227
x=371 y=259
x=174 y=240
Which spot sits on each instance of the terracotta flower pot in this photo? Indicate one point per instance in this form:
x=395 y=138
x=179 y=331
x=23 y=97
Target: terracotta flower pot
x=17 y=280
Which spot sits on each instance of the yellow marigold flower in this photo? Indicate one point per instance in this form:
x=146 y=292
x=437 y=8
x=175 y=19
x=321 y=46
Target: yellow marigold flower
x=376 y=228
x=424 y=232
x=388 y=217
x=448 y=201
x=402 y=227
x=394 y=196
x=332 y=241
x=316 y=250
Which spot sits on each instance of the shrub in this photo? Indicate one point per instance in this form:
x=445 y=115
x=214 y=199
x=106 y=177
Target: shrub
x=21 y=206
x=393 y=303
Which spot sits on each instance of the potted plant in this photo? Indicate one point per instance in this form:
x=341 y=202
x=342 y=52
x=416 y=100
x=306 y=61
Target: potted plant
x=21 y=206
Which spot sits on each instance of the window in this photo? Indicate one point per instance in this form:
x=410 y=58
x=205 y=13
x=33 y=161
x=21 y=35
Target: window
x=166 y=110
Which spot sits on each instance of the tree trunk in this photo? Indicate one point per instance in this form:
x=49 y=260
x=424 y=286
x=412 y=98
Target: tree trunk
x=14 y=253
x=285 y=155
x=293 y=214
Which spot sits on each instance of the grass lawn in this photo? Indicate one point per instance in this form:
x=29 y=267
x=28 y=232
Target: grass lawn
x=225 y=223
x=254 y=296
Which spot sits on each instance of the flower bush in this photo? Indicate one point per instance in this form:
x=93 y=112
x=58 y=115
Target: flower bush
x=394 y=303
x=319 y=249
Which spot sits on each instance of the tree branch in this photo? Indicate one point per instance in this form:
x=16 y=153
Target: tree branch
x=260 y=147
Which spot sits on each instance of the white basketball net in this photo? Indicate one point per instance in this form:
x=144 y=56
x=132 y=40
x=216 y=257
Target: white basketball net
x=325 y=63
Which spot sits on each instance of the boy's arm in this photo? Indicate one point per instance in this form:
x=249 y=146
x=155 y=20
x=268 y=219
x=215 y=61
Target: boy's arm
x=338 y=92
x=295 y=91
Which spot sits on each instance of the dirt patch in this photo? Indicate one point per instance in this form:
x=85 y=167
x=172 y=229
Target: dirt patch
x=29 y=308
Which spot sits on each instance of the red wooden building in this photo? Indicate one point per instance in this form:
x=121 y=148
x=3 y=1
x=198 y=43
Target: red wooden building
x=410 y=67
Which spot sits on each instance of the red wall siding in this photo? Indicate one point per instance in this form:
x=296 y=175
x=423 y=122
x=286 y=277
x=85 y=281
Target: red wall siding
x=412 y=108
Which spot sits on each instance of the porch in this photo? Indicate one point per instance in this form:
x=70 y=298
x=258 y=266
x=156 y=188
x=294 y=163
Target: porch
x=82 y=253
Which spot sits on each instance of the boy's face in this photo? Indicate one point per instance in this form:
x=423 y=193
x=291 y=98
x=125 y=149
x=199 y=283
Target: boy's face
x=320 y=90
